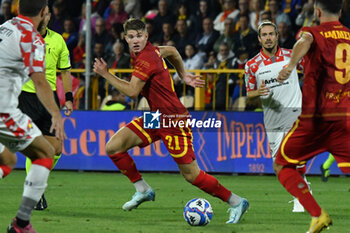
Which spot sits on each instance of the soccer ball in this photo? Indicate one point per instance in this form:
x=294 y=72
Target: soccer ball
x=198 y=212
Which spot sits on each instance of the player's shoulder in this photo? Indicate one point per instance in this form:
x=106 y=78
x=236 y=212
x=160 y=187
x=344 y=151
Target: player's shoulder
x=148 y=51
x=22 y=23
x=253 y=59
x=22 y=26
x=286 y=52
x=253 y=63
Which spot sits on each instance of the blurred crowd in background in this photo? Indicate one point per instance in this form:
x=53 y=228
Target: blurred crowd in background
x=209 y=34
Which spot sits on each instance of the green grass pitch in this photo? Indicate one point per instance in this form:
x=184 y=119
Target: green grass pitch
x=91 y=202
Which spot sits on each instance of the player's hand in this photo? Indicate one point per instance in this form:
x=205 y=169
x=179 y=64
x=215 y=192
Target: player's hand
x=57 y=125
x=263 y=90
x=284 y=74
x=193 y=80
x=69 y=108
x=100 y=67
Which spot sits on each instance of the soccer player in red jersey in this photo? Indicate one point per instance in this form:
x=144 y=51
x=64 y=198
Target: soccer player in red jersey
x=323 y=124
x=151 y=78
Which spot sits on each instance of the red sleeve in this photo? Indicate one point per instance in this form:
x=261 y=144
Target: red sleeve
x=301 y=65
x=143 y=68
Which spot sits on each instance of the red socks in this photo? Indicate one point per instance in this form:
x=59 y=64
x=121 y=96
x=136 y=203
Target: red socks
x=126 y=165
x=5 y=170
x=295 y=185
x=46 y=162
x=301 y=170
x=211 y=185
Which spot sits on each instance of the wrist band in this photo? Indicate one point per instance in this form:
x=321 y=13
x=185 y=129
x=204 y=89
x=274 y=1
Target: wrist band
x=69 y=96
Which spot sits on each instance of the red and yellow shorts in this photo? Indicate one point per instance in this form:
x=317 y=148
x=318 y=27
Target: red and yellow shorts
x=310 y=137
x=177 y=140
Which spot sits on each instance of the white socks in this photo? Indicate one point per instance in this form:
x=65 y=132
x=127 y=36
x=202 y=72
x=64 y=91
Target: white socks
x=141 y=186
x=36 y=182
x=234 y=200
x=34 y=186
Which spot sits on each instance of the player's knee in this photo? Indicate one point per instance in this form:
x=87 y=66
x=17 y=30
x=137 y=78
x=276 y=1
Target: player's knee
x=189 y=177
x=58 y=149
x=277 y=168
x=57 y=145
x=110 y=149
x=47 y=152
x=12 y=161
x=113 y=148
x=8 y=159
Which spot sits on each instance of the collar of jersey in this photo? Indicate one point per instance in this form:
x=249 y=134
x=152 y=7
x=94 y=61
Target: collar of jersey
x=330 y=22
x=26 y=18
x=265 y=57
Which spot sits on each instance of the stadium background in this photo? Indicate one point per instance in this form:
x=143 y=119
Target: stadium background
x=241 y=146
x=91 y=201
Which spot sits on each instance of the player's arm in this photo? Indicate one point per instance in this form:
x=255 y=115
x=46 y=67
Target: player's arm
x=251 y=84
x=63 y=64
x=174 y=57
x=67 y=87
x=301 y=47
x=131 y=89
x=261 y=91
x=45 y=95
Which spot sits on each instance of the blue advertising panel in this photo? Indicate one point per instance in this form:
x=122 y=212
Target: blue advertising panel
x=239 y=145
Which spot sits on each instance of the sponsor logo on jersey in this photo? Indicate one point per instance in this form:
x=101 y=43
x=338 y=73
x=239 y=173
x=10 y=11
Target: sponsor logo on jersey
x=272 y=80
x=265 y=72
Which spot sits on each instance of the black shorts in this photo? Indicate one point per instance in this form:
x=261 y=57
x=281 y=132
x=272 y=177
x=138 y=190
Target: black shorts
x=30 y=104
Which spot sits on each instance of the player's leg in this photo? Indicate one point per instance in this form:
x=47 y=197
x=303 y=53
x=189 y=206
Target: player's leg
x=209 y=184
x=40 y=152
x=8 y=161
x=275 y=138
x=325 y=172
x=57 y=145
x=297 y=206
x=296 y=149
x=293 y=182
x=179 y=144
x=31 y=105
x=117 y=147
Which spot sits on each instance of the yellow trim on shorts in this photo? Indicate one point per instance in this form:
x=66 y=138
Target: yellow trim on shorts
x=343 y=164
x=289 y=160
x=185 y=145
x=142 y=131
x=190 y=132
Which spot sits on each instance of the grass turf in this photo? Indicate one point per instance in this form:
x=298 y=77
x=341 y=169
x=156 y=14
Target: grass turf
x=91 y=202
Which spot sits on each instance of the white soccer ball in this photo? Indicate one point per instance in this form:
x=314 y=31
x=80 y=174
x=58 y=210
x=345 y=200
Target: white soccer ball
x=198 y=212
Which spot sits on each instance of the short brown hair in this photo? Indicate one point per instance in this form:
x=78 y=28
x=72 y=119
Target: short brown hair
x=31 y=8
x=267 y=23
x=134 y=24
x=332 y=7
